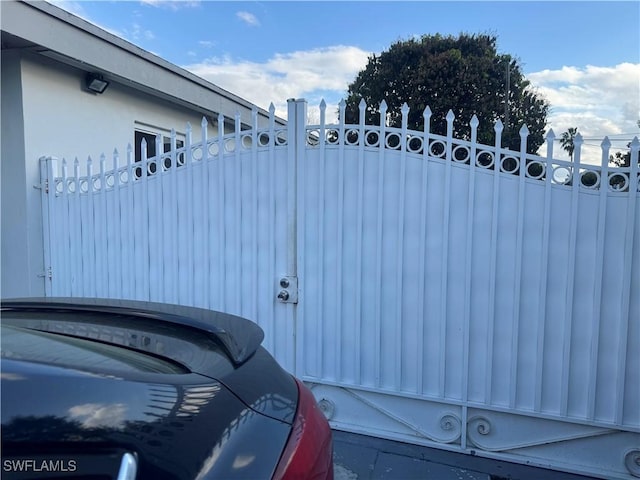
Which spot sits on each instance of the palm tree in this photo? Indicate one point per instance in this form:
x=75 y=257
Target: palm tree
x=566 y=140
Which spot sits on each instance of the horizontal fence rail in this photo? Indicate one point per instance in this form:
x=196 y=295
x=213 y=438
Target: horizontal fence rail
x=483 y=283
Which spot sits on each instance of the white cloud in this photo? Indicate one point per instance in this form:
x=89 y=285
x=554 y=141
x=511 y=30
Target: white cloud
x=248 y=18
x=314 y=75
x=206 y=43
x=600 y=101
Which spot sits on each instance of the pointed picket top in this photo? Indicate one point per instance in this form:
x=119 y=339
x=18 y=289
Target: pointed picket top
x=323 y=104
x=342 y=103
x=474 y=122
x=450 y=116
x=115 y=152
x=342 y=109
x=204 y=123
x=362 y=106
x=188 y=129
x=129 y=148
x=103 y=159
x=635 y=144
x=89 y=161
x=404 y=109
x=606 y=143
x=524 y=131
x=427 y=113
x=577 y=140
x=498 y=127
x=551 y=136
x=272 y=109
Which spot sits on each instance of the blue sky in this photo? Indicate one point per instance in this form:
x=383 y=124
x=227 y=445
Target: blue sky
x=584 y=57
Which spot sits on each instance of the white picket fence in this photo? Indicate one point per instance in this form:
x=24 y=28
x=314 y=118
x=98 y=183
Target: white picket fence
x=448 y=293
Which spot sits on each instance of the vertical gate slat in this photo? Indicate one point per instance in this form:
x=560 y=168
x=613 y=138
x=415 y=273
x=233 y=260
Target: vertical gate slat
x=402 y=186
x=625 y=318
x=379 y=279
x=468 y=273
x=544 y=269
x=221 y=234
x=598 y=278
x=493 y=263
x=571 y=270
x=321 y=237
x=444 y=293
x=359 y=253
x=515 y=337
x=423 y=249
x=65 y=268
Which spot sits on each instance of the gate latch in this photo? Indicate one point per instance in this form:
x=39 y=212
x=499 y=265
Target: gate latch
x=288 y=290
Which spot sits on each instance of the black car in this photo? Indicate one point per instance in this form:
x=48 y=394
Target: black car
x=106 y=389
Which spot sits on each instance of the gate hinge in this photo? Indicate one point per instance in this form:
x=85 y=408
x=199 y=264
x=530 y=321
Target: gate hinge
x=46 y=274
x=43 y=186
x=288 y=289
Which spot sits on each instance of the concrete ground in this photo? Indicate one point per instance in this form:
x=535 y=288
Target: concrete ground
x=359 y=457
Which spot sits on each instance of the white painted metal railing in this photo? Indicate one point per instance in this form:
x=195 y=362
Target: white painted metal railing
x=450 y=293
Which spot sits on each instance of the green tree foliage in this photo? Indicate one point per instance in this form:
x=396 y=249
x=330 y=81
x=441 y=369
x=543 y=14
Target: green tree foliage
x=464 y=74
x=566 y=141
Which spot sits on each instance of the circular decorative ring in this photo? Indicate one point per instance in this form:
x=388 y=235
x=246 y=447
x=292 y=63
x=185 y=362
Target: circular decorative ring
x=152 y=167
x=214 y=149
x=561 y=175
x=632 y=461
x=327 y=407
x=414 y=144
x=196 y=154
x=618 y=182
x=124 y=176
x=84 y=186
x=332 y=136
x=590 y=179
x=464 y=158
x=230 y=145
x=281 y=138
x=59 y=186
x=110 y=180
x=536 y=170
x=313 y=137
x=181 y=158
x=437 y=149
x=512 y=161
x=372 y=138
x=263 y=139
x=484 y=159
x=393 y=141
x=246 y=141
x=71 y=186
x=97 y=184
x=352 y=136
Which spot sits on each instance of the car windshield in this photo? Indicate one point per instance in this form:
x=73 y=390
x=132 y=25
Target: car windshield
x=31 y=345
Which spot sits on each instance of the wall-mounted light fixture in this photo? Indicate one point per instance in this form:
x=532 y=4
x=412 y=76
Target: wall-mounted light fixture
x=96 y=83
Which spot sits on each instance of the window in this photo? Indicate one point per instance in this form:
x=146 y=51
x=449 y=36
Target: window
x=150 y=138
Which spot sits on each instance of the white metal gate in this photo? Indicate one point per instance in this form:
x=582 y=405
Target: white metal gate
x=447 y=296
